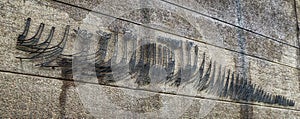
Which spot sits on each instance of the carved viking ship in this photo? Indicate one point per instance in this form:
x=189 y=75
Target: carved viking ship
x=215 y=80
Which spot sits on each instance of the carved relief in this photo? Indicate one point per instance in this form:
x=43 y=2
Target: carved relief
x=121 y=55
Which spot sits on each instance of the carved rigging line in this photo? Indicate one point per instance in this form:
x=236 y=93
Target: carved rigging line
x=210 y=79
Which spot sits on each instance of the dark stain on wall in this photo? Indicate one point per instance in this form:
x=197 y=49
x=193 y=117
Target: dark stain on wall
x=246 y=111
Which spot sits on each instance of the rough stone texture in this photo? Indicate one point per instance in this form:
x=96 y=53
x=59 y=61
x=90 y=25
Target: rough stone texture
x=270 y=50
x=34 y=97
x=274 y=78
x=271 y=113
x=23 y=95
x=274 y=19
x=298 y=51
x=224 y=10
x=226 y=36
x=26 y=96
x=210 y=31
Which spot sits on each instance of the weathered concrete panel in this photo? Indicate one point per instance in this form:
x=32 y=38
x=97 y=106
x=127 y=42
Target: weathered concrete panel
x=26 y=96
x=70 y=101
x=274 y=19
x=36 y=97
x=12 y=24
x=269 y=18
x=209 y=31
x=223 y=10
x=231 y=58
x=206 y=35
x=271 y=113
x=275 y=79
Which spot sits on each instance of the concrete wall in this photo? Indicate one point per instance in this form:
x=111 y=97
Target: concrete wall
x=258 y=39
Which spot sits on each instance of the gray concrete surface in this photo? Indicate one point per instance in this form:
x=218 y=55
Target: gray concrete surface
x=273 y=65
